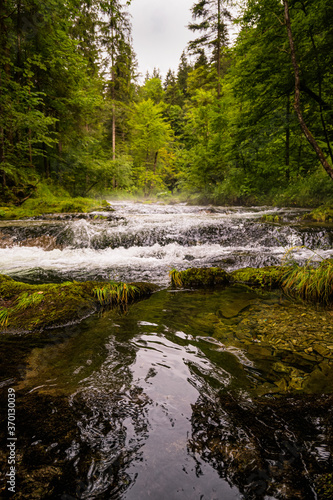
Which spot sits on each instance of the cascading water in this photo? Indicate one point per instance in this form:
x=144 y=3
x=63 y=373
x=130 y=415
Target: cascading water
x=144 y=241
x=213 y=394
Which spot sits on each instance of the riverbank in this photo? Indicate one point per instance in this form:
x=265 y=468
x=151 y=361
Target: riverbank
x=40 y=206
x=49 y=200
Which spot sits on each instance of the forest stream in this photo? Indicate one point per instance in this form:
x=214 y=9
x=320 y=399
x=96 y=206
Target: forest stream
x=220 y=393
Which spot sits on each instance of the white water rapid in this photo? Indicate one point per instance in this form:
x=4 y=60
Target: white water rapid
x=142 y=242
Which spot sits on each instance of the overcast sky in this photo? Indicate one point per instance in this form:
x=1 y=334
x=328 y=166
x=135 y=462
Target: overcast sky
x=159 y=32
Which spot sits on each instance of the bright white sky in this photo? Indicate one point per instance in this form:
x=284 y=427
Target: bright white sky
x=160 y=33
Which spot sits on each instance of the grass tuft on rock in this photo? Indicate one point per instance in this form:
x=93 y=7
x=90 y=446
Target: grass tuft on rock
x=115 y=293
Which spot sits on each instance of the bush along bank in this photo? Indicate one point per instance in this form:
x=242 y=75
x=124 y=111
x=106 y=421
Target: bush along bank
x=25 y=307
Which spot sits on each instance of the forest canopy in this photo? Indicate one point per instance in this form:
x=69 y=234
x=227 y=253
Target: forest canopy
x=244 y=122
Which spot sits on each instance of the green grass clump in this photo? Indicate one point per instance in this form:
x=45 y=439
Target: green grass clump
x=115 y=293
x=4 y=317
x=271 y=218
x=26 y=300
x=309 y=283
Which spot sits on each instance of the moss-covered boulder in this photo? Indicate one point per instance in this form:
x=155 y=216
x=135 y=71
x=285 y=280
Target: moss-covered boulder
x=269 y=276
x=199 y=277
x=306 y=282
x=25 y=307
x=51 y=205
x=323 y=213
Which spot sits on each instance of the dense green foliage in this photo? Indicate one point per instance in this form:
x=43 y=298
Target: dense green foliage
x=223 y=127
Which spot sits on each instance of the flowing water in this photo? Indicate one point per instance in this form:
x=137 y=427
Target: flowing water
x=195 y=394
x=144 y=241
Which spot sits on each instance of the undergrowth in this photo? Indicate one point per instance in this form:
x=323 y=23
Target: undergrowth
x=48 y=200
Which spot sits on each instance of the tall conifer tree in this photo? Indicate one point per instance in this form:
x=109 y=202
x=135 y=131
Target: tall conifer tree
x=209 y=19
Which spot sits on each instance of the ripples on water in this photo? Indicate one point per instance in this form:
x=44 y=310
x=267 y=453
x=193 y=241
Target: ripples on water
x=148 y=404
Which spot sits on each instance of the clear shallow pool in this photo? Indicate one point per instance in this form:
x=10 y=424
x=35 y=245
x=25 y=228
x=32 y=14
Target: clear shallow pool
x=179 y=397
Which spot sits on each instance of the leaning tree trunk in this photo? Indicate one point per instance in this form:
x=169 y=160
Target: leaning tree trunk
x=297 y=103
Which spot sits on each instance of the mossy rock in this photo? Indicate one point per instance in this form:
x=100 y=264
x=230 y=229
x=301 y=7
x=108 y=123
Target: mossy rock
x=25 y=307
x=40 y=206
x=199 y=277
x=271 y=218
x=320 y=214
x=269 y=276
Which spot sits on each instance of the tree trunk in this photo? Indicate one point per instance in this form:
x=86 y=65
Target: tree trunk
x=155 y=162
x=29 y=136
x=113 y=103
x=218 y=48
x=114 y=181
x=45 y=162
x=288 y=137
x=113 y=131
x=297 y=103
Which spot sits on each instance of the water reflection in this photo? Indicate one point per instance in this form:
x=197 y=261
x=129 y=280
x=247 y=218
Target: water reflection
x=268 y=448
x=180 y=397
